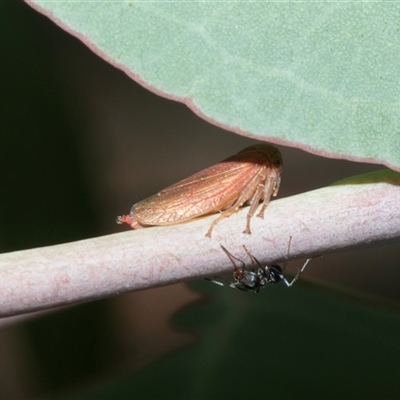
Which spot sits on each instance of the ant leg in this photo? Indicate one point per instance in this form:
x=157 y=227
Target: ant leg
x=224 y=282
x=254 y=260
x=288 y=284
x=231 y=257
x=221 y=282
x=238 y=272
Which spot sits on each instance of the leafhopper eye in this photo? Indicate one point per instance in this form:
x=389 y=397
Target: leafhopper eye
x=249 y=177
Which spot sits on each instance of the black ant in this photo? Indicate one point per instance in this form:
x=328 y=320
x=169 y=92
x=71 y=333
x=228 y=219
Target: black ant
x=254 y=280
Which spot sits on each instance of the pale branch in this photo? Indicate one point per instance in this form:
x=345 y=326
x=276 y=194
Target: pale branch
x=358 y=212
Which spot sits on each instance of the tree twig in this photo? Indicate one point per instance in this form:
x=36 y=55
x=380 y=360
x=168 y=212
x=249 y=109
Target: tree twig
x=358 y=212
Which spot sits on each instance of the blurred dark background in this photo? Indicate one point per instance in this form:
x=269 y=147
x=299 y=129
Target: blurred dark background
x=80 y=143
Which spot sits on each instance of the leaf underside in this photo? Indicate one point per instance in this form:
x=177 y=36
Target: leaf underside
x=323 y=77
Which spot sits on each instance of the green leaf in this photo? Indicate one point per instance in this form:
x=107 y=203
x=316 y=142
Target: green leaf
x=279 y=344
x=320 y=76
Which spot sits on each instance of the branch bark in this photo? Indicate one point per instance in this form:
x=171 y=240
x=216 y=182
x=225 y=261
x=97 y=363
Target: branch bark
x=358 y=212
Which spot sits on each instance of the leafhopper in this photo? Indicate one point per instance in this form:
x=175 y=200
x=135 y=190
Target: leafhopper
x=251 y=176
